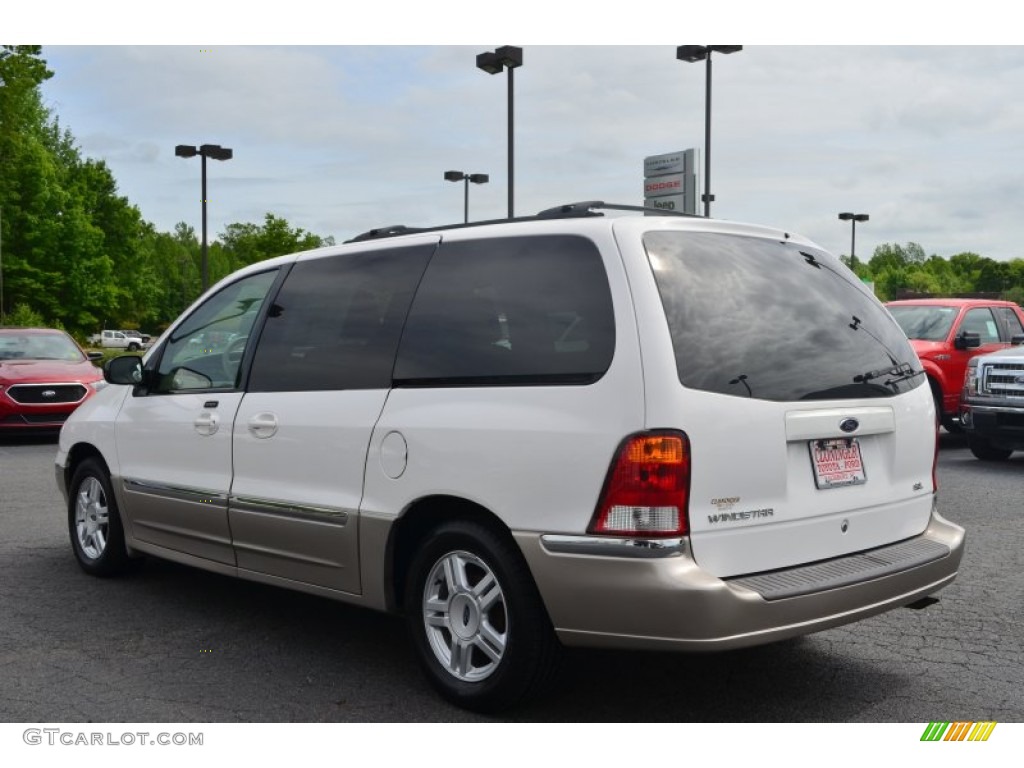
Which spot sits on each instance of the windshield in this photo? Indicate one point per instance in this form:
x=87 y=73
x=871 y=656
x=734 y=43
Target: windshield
x=775 y=321
x=38 y=346
x=925 y=323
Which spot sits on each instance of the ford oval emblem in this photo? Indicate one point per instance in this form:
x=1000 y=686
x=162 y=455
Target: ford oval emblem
x=48 y=393
x=849 y=425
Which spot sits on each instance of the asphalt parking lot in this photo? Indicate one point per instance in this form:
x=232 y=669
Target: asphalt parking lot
x=173 y=644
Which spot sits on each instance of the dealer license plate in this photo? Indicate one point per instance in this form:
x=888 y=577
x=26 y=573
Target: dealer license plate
x=837 y=462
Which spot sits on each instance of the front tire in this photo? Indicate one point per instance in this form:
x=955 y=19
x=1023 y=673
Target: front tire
x=477 y=621
x=984 y=450
x=94 y=522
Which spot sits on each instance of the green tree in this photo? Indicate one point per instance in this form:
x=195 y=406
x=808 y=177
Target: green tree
x=891 y=282
x=245 y=244
x=25 y=317
x=25 y=175
x=993 y=277
x=895 y=256
x=73 y=248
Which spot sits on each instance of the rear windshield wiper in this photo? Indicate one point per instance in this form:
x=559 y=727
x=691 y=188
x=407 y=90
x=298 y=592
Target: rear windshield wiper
x=899 y=372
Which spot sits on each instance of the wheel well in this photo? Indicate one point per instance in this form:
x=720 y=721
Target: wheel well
x=937 y=395
x=417 y=521
x=76 y=456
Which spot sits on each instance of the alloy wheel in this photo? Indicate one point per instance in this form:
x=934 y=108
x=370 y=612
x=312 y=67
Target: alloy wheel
x=92 y=518
x=465 y=616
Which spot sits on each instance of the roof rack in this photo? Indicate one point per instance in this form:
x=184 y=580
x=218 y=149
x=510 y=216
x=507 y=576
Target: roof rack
x=392 y=231
x=590 y=208
x=584 y=209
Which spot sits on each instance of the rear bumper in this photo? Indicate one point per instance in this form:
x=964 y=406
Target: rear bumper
x=663 y=600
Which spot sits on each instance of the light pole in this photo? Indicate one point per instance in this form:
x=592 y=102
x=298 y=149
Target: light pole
x=217 y=152
x=691 y=54
x=853 y=218
x=476 y=178
x=493 y=62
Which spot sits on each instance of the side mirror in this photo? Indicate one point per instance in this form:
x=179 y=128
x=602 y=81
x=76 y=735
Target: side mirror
x=1017 y=339
x=94 y=357
x=126 y=369
x=967 y=340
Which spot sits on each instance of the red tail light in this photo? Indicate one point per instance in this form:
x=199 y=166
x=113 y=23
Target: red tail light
x=647 y=489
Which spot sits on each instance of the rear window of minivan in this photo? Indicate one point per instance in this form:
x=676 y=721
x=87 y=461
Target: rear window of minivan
x=759 y=318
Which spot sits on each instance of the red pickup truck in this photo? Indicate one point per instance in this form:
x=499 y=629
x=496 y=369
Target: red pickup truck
x=946 y=333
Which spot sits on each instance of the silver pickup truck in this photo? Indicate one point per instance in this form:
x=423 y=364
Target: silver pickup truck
x=992 y=403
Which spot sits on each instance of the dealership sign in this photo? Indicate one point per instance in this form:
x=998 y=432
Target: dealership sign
x=664 y=185
x=670 y=181
x=667 y=203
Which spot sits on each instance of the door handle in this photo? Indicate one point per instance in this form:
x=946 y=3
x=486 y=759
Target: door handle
x=206 y=423
x=263 y=425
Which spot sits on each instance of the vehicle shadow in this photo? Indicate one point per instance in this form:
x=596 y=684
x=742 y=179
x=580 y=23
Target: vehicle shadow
x=950 y=441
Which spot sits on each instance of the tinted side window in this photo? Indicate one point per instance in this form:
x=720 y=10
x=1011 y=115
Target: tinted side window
x=336 y=322
x=206 y=350
x=508 y=311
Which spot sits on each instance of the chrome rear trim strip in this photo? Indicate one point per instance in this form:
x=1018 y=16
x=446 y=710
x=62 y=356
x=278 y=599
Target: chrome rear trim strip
x=612 y=547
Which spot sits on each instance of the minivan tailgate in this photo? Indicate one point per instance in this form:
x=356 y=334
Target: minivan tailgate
x=808 y=505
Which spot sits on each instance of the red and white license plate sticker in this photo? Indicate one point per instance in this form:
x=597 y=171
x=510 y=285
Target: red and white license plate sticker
x=837 y=462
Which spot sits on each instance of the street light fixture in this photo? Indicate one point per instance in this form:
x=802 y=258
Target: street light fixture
x=217 y=152
x=493 y=62
x=853 y=218
x=692 y=54
x=476 y=178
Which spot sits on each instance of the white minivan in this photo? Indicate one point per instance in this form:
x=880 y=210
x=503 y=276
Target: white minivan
x=574 y=429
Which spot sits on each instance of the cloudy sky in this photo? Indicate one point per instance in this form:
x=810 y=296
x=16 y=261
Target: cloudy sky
x=926 y=139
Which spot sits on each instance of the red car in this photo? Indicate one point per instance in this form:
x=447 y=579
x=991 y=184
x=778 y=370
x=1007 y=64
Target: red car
x=44 y=376
x=946 y=333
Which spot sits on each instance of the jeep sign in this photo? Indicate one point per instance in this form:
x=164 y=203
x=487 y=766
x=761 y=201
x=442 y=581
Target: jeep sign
x=667 y=203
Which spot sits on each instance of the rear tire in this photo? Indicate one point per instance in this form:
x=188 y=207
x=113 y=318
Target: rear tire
x=477 y=621
x=951 y=423
x=94 y=522
x=984 y=450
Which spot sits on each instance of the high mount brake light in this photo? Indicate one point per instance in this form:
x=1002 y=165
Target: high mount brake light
x=646 y=492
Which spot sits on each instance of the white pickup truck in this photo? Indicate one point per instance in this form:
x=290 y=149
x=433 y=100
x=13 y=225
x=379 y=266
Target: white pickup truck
x=117 y=340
